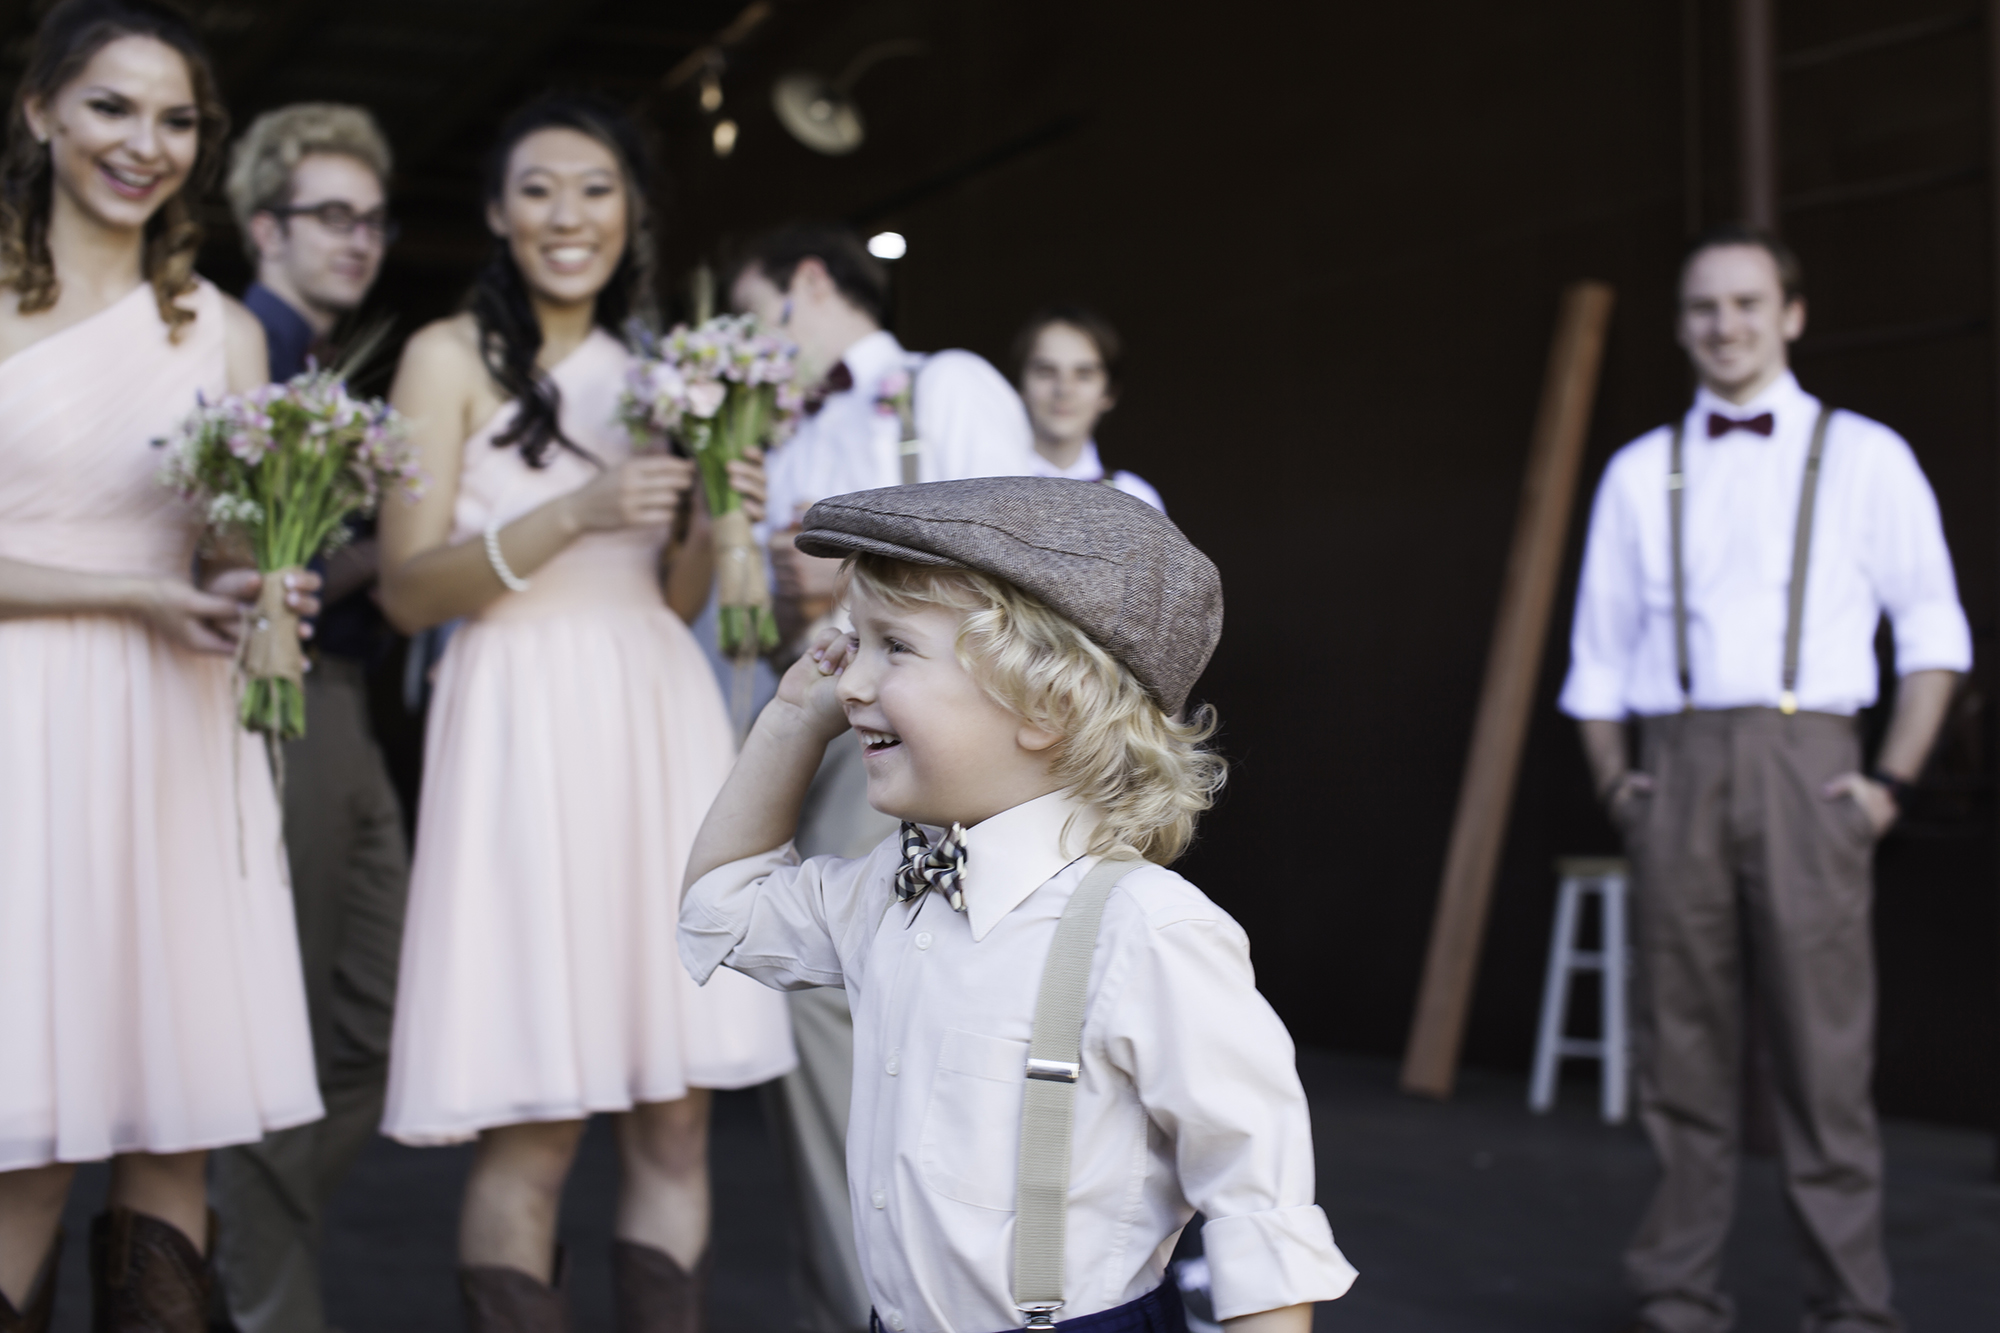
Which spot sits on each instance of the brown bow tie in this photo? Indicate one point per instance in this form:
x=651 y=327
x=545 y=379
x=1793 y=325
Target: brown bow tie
x=1761 y=424
x=838 y=380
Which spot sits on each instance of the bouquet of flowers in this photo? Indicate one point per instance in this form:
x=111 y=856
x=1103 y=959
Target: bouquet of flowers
x=279 y=470
x=721 y=389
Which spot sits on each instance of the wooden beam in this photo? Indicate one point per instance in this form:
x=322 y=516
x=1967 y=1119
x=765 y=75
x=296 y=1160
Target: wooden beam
x=1691 y=161
x=1993 y=143
x=471 y=101
x=1513 y=664
x=1757 y=113
x=248 y=65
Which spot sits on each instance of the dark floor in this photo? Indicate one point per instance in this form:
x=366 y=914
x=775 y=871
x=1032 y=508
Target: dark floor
x=1471 y=1216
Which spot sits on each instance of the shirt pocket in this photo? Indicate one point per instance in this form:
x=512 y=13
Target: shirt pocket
x=972 y=1122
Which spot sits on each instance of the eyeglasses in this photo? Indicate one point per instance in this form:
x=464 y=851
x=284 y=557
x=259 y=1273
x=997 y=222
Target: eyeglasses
x=342 y=220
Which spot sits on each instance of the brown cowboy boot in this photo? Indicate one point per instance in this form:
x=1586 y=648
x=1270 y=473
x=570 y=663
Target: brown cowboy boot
x=506 y=1300
x=146 y=1276
x=40 y=1309
x=654 y=1294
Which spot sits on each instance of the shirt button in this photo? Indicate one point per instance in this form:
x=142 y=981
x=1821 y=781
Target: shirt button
x=923 y=939
x=894 y=1066
x=880 y=1198
x=896 y=1320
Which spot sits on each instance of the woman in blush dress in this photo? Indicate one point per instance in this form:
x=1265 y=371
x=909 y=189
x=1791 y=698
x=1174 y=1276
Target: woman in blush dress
x=576 y=739
x=151 y=1005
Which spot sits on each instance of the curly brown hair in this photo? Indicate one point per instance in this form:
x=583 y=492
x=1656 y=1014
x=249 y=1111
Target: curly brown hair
x=72 y=33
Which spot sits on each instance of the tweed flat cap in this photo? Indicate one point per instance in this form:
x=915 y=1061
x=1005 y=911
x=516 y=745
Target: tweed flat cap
x=1114 y=566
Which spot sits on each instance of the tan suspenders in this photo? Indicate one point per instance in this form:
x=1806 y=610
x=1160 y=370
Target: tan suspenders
x=909 y=448
x=1048 y=1101
x=1795 y=611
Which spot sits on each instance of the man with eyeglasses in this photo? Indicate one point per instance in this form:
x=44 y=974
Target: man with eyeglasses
x=306 y=184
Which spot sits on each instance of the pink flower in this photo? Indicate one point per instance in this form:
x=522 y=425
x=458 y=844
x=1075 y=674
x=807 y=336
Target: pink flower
x=705 y=398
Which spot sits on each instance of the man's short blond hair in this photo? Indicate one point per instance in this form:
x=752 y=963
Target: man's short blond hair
x=1150 y=775
x=262 y=162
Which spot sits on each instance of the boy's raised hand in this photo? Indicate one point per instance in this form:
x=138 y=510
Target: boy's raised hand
x=812 y=686
x=758 y=808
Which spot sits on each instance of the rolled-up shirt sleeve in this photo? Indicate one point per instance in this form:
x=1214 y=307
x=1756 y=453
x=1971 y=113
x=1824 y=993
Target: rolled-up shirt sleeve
x=766 y=916
x=1216 y=1071
x=1909 y=565
x=1610 y=610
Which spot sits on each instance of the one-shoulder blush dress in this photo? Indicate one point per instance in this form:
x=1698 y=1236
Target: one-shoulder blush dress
x=150 y=992
x=576 y=740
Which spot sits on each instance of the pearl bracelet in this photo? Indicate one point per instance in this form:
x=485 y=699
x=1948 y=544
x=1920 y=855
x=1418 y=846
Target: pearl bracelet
x=514 y=582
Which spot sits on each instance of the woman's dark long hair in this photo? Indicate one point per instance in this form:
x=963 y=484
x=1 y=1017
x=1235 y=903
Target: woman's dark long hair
x=69 y=36
x=510 y=337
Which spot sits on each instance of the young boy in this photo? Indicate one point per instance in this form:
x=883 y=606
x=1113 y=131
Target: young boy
x=1022 y=653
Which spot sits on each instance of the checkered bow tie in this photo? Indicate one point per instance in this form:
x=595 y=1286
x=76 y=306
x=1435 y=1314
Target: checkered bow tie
x=926 y=867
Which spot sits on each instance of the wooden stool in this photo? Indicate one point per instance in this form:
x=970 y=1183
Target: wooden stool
x=1608 y=878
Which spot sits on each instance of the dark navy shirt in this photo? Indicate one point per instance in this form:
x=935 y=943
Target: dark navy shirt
x=353 y=627
x=285 y=331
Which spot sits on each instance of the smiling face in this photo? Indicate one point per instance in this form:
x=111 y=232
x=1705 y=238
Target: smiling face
x=1065 y=386
x=123 y=134
x=564 y=213
x=938 y=749
x=1735 y=322
x=309 y=263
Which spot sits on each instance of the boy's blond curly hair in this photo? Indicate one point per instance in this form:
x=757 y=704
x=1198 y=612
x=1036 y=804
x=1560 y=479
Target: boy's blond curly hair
x=1149 y=775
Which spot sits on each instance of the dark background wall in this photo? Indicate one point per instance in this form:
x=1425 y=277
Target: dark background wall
x=1334 y=237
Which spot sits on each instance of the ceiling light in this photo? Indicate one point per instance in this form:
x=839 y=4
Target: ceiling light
x=820 y=112
x=725 y=137
x=888 y=245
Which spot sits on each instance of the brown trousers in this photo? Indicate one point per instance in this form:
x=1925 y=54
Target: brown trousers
x=350 y=873
x=1746 y=875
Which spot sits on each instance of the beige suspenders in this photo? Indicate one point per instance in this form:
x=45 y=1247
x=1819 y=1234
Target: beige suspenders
x=1048 y=1101
x=1795 y=611
x=909 y=448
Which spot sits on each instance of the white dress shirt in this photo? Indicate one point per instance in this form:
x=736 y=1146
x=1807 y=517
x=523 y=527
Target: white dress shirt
x=969 y=421
x=1877 y=546
x=1189 y=1096
x=1089 y=467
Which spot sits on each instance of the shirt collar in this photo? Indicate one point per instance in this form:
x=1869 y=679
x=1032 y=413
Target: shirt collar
x=1087 y=467
x=1010 y=855
x=286 y=333
x=871 y=358
x=1781 y=397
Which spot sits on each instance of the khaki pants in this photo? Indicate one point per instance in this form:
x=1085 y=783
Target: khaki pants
x=350 y=872
x=808 y=1107
x=1747 y=876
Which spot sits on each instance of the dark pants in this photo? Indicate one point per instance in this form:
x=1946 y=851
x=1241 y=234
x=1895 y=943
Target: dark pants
x=1158 y=1311
x=1747 y=875
x=350 y=872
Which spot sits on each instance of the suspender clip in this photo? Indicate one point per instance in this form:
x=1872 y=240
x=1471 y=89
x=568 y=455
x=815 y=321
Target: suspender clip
x=1054 y=1071
x=1788 y=703
x=1041 y=1314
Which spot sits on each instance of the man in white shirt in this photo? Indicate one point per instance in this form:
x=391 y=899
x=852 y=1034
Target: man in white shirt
x=818 y=286
x=1750 y=824
x=1066 y=362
